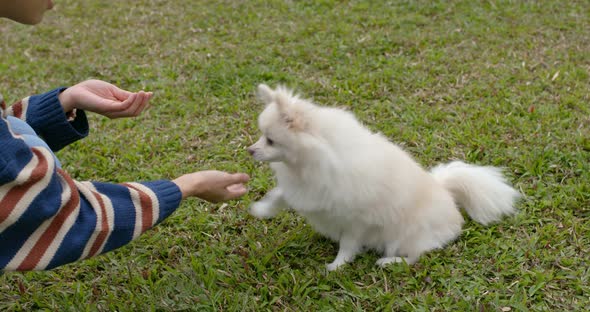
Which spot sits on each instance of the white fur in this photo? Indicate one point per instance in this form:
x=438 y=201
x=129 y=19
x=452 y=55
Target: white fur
x=357 y=188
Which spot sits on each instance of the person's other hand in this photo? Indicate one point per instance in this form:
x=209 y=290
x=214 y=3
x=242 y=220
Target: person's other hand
x=104 y=98
x=212 y=185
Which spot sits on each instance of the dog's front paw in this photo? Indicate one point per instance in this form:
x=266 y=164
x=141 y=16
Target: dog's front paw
x=334 y=265
x=262 y=210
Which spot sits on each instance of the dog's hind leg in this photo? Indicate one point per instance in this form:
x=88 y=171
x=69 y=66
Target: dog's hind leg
x=392 y=256
x=382 y=262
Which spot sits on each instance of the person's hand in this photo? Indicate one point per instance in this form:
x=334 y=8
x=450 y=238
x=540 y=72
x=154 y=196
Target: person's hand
x=212 y=186
x=104 y=98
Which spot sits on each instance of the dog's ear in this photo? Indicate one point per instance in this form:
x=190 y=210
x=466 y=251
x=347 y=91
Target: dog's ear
x=292 y=116
x=282 y=101
x=265 y=93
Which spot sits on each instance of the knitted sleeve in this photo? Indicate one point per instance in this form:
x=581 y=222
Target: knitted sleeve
x=48 y=219
x=44 y=113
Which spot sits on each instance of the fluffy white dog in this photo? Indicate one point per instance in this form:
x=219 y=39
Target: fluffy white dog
x=361 y=190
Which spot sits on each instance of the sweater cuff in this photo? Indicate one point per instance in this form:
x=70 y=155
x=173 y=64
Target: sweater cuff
x=169 y=196
x=46 y=115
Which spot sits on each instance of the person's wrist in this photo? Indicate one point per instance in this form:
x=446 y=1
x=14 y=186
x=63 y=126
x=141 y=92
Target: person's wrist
x=196 y=185
x=181 y=187
x=189 y=185
x=65 y=101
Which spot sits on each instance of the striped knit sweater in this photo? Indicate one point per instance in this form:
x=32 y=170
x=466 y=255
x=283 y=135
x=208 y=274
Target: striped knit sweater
x=47 y=218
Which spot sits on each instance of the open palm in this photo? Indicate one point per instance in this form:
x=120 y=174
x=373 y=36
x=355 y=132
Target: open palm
x=105 y=99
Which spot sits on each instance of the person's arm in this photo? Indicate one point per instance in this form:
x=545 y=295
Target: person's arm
x=48 y=219
x=46 y=115
x=59 y=117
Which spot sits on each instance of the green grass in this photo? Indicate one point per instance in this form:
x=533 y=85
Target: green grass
x=502 y=83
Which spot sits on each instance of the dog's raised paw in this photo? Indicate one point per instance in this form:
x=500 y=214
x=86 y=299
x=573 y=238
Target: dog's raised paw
x=262 y=210
x=334 y=266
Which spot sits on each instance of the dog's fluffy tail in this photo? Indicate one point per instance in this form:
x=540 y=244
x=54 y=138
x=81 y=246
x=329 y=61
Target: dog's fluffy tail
x=482 y=191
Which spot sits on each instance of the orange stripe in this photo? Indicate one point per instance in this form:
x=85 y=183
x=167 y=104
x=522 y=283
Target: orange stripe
x=146 y=208
x=11 y=199
x=104 y=227
x=37 y=252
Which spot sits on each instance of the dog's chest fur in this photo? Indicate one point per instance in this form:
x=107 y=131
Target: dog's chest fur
x=323 y=206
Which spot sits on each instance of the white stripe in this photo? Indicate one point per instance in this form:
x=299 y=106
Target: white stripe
x=108 y=206
x=33 y=191
x=110 y=215
x=24 y=107
x=138 y=212
x=27 y=246
x=154 y=198
x=65 y=228
x=86 y=189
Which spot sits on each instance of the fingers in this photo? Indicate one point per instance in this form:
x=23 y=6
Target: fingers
x=212 y=185
x=136 y=104
x=237 y=188
x=128 y=102
x=133 y=105
x=235 y=191
x=121 y=94
x=144 y=103
x=238 y=178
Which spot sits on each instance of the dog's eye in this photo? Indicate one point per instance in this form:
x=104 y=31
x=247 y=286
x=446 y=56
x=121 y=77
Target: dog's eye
x=269 y=141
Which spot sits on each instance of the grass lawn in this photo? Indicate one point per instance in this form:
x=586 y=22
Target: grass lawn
x=504 y=83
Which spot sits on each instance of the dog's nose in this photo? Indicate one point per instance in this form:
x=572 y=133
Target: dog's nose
x=251 y=150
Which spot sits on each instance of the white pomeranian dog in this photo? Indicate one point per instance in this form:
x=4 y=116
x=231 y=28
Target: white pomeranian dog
x=357 y=188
